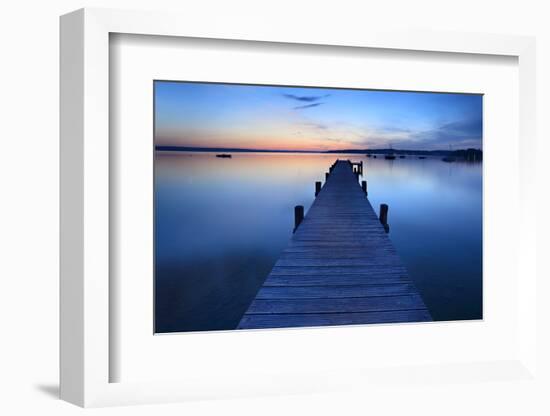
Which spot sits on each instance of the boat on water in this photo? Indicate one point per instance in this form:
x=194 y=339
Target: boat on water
x=402 y=157
x=226 y=155
x=368 y=155
x=422 y=157
x=390 y=156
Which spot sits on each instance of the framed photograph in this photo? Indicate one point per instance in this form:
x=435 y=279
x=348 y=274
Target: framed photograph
x=237 y=253
x=255 y=212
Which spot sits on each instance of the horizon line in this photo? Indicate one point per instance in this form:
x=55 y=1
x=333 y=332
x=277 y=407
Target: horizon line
x=252 y=150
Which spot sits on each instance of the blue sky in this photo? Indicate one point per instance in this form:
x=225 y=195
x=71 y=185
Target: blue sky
x=293 y=118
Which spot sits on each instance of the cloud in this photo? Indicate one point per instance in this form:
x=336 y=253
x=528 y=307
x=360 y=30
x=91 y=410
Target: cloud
x=305 y=98
x=301 y=107
x=461 y=133
x=396 y=130
x=315 y=125
x=462 y=129
x=465 y=133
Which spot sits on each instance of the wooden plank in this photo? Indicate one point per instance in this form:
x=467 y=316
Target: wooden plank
x=335 y=279
x=335 y=270
x=250 y=321
x=339 y=268
x=331 y=305
x=334 y=291
x=340 y=263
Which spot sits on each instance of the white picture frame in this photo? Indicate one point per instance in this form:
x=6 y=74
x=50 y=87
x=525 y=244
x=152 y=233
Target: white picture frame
x=85 y=220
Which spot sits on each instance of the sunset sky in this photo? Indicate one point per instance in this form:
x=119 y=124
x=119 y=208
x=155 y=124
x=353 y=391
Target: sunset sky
x=317 y=119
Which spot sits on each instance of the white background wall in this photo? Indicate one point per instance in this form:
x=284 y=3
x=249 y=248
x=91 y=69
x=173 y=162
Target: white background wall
x=29 y=186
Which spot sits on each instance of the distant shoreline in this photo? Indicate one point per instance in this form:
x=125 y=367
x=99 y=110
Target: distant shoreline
x=228 y=150
x=458 y=152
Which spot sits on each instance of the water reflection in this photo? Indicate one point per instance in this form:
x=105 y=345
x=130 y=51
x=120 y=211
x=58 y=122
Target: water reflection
x=220 y=225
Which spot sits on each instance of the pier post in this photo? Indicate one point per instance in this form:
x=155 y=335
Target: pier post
x=298 y=216
x=361 y=165
x=364 y=186
x=384 y=216
x=317 y=188
x=326 y=176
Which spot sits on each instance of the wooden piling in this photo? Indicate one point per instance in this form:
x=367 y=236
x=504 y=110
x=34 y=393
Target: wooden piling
x=364 y=186
x=384 y=216
x=317 y=188
x=298 y=216
x=326 y=176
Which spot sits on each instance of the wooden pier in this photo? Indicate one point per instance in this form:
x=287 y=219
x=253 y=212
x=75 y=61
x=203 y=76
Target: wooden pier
x=339 y=268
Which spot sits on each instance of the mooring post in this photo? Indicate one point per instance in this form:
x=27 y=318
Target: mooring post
x=384 y=216
x=364 y=186
x=361 y=167
x=317 y=188
x=298 y=216
x=326 y=176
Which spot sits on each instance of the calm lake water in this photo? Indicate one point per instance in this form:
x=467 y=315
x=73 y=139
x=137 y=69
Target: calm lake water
x=221 y=224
